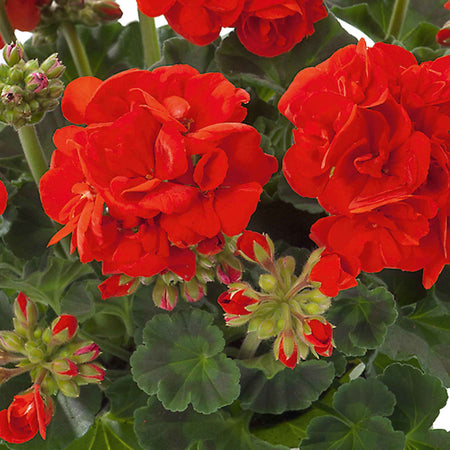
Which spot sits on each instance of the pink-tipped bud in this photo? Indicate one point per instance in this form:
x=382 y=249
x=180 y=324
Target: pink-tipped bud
x=64 y=328
x=36 y=82
x=92 y=373
x=107 y=10
x=53 y=67
x=88 y=352
x=25 y=311
x=13 y=53
x=64 y=368
x=227 y=274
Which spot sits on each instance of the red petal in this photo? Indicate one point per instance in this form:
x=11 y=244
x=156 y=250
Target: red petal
x=3 y=198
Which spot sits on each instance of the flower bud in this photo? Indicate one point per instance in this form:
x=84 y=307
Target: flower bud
x=64 y=328
x=267 y=282
x=107 y=10
x=227 y=274
x=443 y=35
x=49 y=385
x=164 y=296
x=64 y=368
x=12 y=342
x=255 y=247
x=34 y=352
x=52 y=67
x=13 y=53
x=286 y=349
x=85 y=352
x=312 y=309
x=266 y=329
x=25 y=311
x=68 y=387
x=15 y=75
x=36 y=82
x=320 y=336
x=193 y=290
x=55 y=89
x=11 y=95
x=91 y=373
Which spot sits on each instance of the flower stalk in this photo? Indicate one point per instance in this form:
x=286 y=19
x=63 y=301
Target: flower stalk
x=150 y=40
x=249 y=345
x=77 y=49
x=397 y=18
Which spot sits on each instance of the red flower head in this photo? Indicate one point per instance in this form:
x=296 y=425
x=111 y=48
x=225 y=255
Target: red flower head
x=198 y=21
x=271 y=27
x=321 y=337
x=159 y=169
x=3 y=198
x=25 y=416
x=235 y=302
x=335 y=272
x=23 y=15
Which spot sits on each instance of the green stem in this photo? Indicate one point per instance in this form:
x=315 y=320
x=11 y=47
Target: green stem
x=6 y=30
x=77 y=49
x=33 y=151
x=397 y=18
x=149 y=40
x=106 y=346
x=249 y=346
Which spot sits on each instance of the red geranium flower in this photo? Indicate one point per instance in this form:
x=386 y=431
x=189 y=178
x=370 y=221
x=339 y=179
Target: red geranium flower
x=25 y=416
x=321 y=336
x=200 y=21
x=271 y=27
x=159 y=168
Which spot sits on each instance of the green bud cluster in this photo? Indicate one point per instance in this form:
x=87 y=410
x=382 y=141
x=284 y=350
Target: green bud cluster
x=28 y=90
x=56 y=358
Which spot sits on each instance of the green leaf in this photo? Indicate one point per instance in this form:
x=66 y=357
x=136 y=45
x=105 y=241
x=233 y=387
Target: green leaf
x=159 y=429
x=125 y=397
x=238 y=64
x=362 y=317
x=287 y=194
x=419 y=399
x=358 y=421
x=424 y=333
x=181 y=361
x=108 y=433
x=290 y=389
x=6 y=312
x=71 y=420
x=128 y=47
x=78 y=300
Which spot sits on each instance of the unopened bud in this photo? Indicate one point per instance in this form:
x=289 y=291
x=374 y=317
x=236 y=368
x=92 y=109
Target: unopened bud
x=13 y=53
x=64 y=368
x=267 y=282
x=56 y=89
x=49 y=385
x=266 y=329
x=68 y=387
x=193 y=290
x=164 y=296
x=107 y=10
x=64 y=328
x=227 y=274
x=12 y=95
x=53 y=67
x=36 y=82
x=15 y=75
x=92 y=373
x=443 y=35
x=25 y=311
x=312 y=309
x=85 y=352
x=11 y=342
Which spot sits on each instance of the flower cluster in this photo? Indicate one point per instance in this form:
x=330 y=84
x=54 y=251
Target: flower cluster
x=372 y=145
x=28 y=90
x=288 y=307
x=56 y=359
x=267 y=28
x=156 y=173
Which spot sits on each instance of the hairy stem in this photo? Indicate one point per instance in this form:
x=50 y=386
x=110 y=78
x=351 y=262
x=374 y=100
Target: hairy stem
x=397 y=18
x=149 y=40
x=77 y=49
x=249 y=346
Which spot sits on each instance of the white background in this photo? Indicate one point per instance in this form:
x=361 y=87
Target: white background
x=130 y=13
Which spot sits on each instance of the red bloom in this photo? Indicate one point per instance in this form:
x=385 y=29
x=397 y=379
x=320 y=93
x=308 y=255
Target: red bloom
x=3 y=198
x=335 y=273
x=372 y=145
x=158 y=169
x=199 y=21
x=25 y=416
x=271 y=27
x=235 y=302
x=321 y=337
x=23 y=15
x=247 y=241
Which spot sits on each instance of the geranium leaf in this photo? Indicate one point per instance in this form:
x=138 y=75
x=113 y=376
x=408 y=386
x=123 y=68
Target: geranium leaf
x=158 y=428
x=287 y=390
x=287 y=194
x=361 y=316
x=424 y=333
x=419 y=399
x=358 y=422
x=181 y=361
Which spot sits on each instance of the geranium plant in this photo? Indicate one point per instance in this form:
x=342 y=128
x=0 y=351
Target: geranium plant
x=224 y=239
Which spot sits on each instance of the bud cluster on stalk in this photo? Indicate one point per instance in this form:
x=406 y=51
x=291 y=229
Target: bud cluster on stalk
x=28 y=89
x=56 y=358
x=287 y=307
x=84 y=12
x=222 y=266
